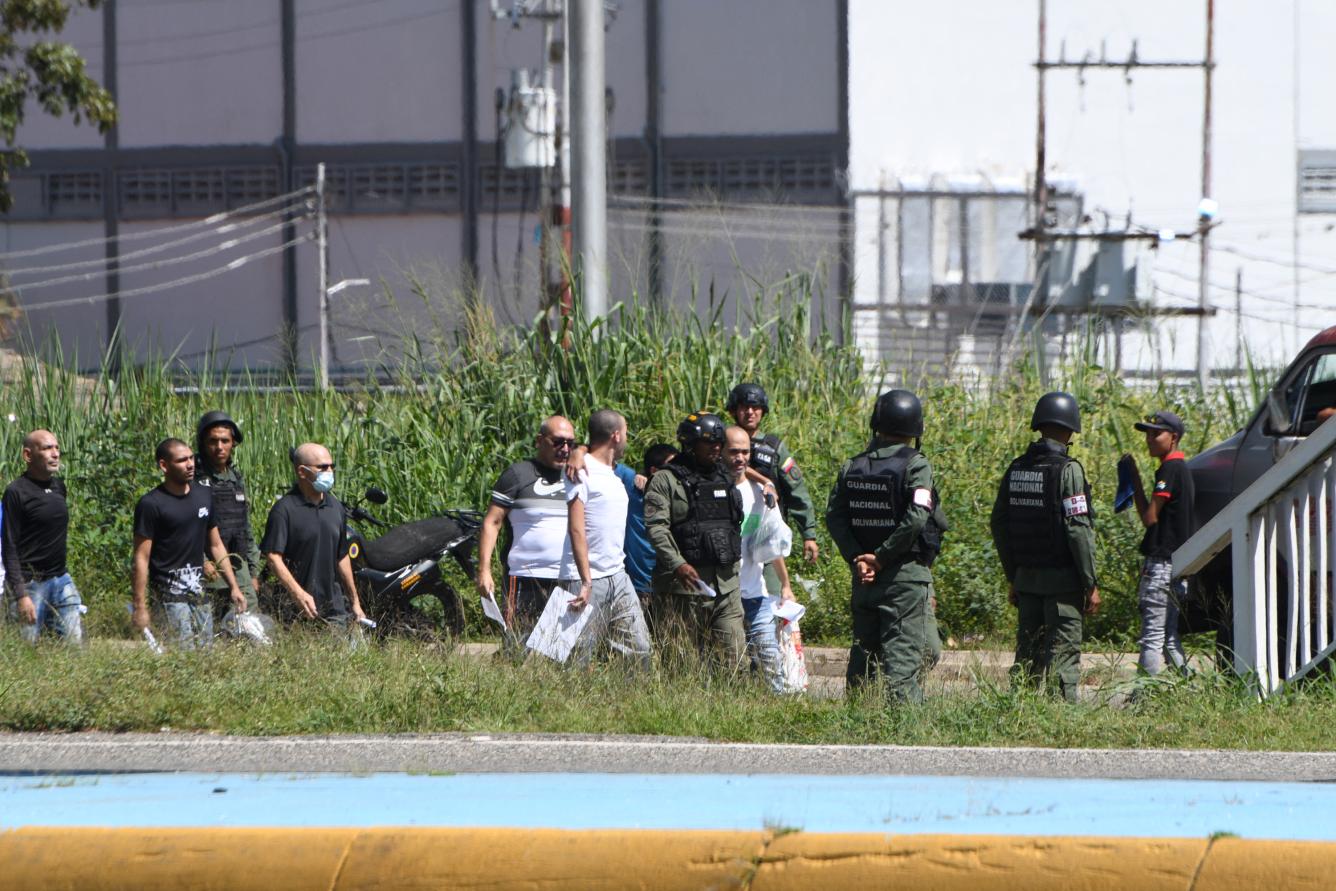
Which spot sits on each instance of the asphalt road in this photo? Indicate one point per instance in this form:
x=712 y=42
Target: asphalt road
x=463 y=753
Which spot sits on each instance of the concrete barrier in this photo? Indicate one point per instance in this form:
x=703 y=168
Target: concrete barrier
x=38 y=859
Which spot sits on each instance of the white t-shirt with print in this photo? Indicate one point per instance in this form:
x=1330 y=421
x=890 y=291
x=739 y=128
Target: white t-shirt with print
x=751 y=579
x=605 y=503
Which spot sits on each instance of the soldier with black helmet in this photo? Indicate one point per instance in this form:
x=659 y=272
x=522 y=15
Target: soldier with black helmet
x=1043 y=528
x=693 y=519
x=886 y=519
x=749 y=404
x=216 y=436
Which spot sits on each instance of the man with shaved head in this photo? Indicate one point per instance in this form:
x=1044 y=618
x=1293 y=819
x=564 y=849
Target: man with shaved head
x=36 y=522
x=305 y=545
x=529 y=503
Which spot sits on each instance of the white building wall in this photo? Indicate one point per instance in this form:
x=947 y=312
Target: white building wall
x=219 y=75
x=950 y=88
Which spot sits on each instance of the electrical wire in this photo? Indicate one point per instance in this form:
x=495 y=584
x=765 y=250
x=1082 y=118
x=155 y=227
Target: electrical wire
x=157 y=248
x=212 y=220
x=186 y=280
x=154 y=264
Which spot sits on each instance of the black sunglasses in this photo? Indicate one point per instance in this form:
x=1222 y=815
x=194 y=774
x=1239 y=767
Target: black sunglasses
x=561 y=443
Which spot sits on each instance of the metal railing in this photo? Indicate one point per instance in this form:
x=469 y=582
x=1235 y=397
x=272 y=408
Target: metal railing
x=1283 y=555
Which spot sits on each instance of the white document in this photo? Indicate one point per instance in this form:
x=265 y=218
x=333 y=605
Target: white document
x=492 y=611
x=559 y=626
x=791 y=611
x=705 y=589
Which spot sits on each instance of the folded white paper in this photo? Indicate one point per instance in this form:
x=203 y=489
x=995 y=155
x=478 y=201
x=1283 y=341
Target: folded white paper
x=493 y=612
x=791 y=611
x=559 y=626
x=705 y=589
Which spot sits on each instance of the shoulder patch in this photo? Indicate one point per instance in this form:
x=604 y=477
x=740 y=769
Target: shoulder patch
x=1075 y=506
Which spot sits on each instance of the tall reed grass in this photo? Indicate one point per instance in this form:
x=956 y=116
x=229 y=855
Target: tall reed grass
x=460 y=408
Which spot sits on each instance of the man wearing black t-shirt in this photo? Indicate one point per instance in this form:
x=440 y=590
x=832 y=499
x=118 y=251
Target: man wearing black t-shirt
x=36 y=523
x=529 y=502
x=1167 y=516
x=174 y=530
x=306 y=544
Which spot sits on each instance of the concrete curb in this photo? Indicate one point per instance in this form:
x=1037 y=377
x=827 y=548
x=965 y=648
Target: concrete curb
x=148 y=859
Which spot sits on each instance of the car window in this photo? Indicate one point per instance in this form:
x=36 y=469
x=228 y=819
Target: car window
x=1317 y=393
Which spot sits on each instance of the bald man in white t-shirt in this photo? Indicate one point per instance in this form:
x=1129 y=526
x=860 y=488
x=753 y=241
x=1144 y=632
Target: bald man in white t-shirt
x=594 y=560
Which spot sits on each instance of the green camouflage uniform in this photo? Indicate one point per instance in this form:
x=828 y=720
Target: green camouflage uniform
x=1050 y=601
x=893 y=625
x=712 y=622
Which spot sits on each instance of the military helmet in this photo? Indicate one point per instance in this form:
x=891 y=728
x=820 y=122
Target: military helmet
x=1057 y=409
x=215 y=419
x=747 y=394
x=898 y=412
x=700 y=425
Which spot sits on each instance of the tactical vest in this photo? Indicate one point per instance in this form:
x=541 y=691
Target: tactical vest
x=230 y=512
x=711 y=533
x=765 y=456
x=1032 y=488
x=876 y=497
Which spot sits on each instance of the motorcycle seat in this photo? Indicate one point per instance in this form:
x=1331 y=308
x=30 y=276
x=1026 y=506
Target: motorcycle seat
x=409 y=543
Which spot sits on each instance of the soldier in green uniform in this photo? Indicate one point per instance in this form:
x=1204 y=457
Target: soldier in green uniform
x=749 y=404
x=215 y=438
x=693 y=519
x=1044 y=532
x=884 y=517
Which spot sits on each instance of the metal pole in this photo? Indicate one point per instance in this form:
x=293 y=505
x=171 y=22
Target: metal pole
x=322 y=273
x=1203 y=272
x=1041 y=244
x=111 y=212
x=589 y=190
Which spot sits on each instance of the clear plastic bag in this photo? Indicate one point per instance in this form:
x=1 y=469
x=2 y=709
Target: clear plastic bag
x=774 y=538
x=791 y=649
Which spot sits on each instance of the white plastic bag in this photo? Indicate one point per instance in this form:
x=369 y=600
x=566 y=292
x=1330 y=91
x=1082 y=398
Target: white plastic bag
x=774 y=538
x=791 y=649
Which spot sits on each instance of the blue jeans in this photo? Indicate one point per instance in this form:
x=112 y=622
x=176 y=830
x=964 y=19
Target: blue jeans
x=57 y=603
x=763 y=640
x=1159 y=597
x=189 y=625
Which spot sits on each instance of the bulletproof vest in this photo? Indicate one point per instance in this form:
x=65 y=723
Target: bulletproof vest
x=711 y=533
x=876 y=498
x=1032 y=488
x=765 y=456
x=229 y=511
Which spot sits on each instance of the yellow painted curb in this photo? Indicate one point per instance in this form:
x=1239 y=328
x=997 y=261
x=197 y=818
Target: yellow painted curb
x=46 y=859
x=950 y=862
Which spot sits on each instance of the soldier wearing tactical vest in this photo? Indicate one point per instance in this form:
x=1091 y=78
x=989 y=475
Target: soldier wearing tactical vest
x=215 y=438
x=749 y=404
x=885 y=518
x=693 y=519
x=1044 y=532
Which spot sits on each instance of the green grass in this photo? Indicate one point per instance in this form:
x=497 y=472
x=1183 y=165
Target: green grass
x=310 y=684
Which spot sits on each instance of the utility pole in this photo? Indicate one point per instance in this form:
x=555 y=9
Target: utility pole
x=1044 y=235
x=1204 y=221
x=589 y=184
x=322 y=276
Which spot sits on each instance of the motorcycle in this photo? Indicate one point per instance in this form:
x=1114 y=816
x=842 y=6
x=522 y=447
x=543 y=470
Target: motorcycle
x=404 y=563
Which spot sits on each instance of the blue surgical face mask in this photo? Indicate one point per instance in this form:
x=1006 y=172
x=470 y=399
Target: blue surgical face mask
x=324 y=481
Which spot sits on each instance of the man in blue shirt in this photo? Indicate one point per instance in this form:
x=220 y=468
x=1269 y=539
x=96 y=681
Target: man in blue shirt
x=639 y=552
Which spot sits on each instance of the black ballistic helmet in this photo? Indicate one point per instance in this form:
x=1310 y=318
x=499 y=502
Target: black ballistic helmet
x=1057 y=409
x=700 y=425
x=898 y=412
x=215 y=419
x=747 y=394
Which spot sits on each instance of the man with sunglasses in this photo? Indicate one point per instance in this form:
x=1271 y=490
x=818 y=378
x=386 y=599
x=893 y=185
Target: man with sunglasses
x=529 y=504
x=305 y=542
